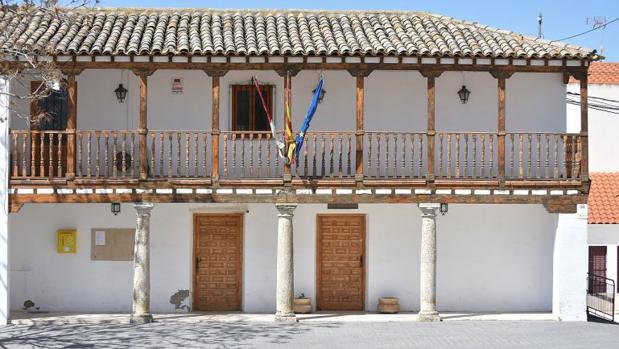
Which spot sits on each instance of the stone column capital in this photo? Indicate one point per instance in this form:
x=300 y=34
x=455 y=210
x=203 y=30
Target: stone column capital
x=143 y=208
x=286 y=210
x=427 y=211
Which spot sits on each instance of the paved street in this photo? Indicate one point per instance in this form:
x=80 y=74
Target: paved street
x=244 y=334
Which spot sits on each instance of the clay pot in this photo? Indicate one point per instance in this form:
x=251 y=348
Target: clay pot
x=388 y=305
x=302 y=305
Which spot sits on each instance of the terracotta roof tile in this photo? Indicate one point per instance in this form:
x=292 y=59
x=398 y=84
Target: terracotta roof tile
x=604 y=198
x=274 y=32
x=602 y=73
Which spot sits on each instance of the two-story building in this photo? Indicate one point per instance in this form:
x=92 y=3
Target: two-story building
x=159 y=115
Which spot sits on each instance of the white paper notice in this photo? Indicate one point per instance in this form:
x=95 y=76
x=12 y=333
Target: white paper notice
x=100 y=238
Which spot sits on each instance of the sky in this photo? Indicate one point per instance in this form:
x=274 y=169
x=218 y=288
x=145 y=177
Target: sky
x=561 y=18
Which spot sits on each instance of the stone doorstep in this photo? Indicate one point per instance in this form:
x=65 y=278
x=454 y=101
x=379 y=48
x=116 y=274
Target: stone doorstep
x=54 y=318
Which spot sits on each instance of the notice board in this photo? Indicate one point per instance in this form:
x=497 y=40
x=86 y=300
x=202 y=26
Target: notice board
x=111 y=244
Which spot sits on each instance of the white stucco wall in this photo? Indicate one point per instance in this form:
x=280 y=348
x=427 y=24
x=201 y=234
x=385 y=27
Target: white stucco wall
x=500 y=263
x=603 y=128
x=395 y=100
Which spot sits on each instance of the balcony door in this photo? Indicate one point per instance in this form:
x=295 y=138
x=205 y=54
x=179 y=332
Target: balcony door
x=48 y=112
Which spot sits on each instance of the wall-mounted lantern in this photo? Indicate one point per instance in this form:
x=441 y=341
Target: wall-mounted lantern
x=121 y=93
x=115 y=208
x=464 y=94
x=322 y=94
x=444 y=208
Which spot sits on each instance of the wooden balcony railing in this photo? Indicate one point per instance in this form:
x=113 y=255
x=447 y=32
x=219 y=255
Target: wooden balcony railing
x=458 y=156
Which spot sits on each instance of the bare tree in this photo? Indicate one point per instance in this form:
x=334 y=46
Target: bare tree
x=29 y=59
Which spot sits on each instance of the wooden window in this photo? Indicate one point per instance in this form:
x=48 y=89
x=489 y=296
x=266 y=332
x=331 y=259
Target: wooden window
x=50 y=112
x=247 y=110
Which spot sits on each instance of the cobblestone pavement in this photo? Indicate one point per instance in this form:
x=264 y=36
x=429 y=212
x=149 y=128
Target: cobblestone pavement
x=243 y=334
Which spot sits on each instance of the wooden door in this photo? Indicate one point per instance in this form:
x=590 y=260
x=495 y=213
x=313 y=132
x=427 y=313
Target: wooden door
x=340 y=262
x=218 y=251
x=597 y=266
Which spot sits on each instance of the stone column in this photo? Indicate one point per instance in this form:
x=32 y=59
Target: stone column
x=285 y=267
x=427 y=285
x=141 y=265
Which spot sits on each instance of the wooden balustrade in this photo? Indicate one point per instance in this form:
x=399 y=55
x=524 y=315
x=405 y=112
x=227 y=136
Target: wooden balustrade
x=38 y=154
x=543 y=156
x=395 y=154
x=464 y=155
x=249 y=155
x=107 y=154
x=327 y=155
x=179 y=154
x=115 y=154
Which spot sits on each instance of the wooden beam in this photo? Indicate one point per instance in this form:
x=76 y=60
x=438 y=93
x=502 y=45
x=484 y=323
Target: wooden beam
x=286 y=196
x=280 y=67
x=560 y=208
x=71 y=123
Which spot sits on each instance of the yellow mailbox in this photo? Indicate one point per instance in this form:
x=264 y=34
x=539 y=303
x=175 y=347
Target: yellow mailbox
x=67 y=241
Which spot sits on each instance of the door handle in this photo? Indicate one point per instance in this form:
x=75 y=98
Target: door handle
x=361 y=261
x=197 y=263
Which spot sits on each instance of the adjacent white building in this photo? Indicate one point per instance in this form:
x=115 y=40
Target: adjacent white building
x=356 y=217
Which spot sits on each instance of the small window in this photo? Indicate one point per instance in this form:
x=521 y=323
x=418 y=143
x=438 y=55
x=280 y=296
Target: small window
x=247 y=111
x=49 y=112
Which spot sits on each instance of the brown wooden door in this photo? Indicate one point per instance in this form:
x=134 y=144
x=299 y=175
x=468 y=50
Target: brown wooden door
x=340 y=262
x=218 y=252
x=597 y=266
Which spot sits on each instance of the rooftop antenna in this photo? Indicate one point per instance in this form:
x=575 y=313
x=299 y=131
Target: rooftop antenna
x=540 y=20
x=597 y=22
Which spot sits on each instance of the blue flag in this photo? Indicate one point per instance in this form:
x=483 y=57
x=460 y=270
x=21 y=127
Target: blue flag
x=308 y=118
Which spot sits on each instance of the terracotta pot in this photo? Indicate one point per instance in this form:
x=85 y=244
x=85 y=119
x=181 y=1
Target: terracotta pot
x=388 y=305
x=302 y=305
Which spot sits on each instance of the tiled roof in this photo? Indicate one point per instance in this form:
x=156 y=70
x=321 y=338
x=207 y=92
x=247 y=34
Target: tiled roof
x=268 y=32
x=602 y=73
x=604 y=198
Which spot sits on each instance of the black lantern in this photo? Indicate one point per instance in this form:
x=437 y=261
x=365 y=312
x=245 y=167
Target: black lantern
x=444 y=208
x=464 y=94
x=322 y=94
x=121 y=93
x=115 y=208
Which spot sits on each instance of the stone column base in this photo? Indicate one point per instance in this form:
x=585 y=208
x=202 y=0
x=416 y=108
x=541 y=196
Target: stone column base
x=286 y=318
x=141 y=319
x=428 y=317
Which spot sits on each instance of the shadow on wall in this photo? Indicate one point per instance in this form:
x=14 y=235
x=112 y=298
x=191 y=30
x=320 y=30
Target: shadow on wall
x=158 y=334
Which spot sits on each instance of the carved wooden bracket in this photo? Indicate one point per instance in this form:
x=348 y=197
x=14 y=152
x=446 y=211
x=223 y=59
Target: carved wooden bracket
x=292 y=69
x=216 y=73
x=426 y=73
x=578 y=74
x=360 y=72
x=143 y=71
x=501 y=74
x=72 y=71
x=560 y=208
x=15 y=207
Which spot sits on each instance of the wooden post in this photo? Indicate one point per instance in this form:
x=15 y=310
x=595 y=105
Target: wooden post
x=501 y=76
x=71 y=121
x=359 y=127
x=360 y=75
x=143 y=122
x=215 y=129
x=584 y=127
x=431 y=76
x=287 y=73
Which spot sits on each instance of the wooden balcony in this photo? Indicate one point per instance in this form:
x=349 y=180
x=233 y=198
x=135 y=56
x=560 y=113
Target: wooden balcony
x=437 y=166
x=390 y=159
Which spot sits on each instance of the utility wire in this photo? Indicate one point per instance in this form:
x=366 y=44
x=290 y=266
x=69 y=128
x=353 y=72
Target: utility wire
x=588 y=31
